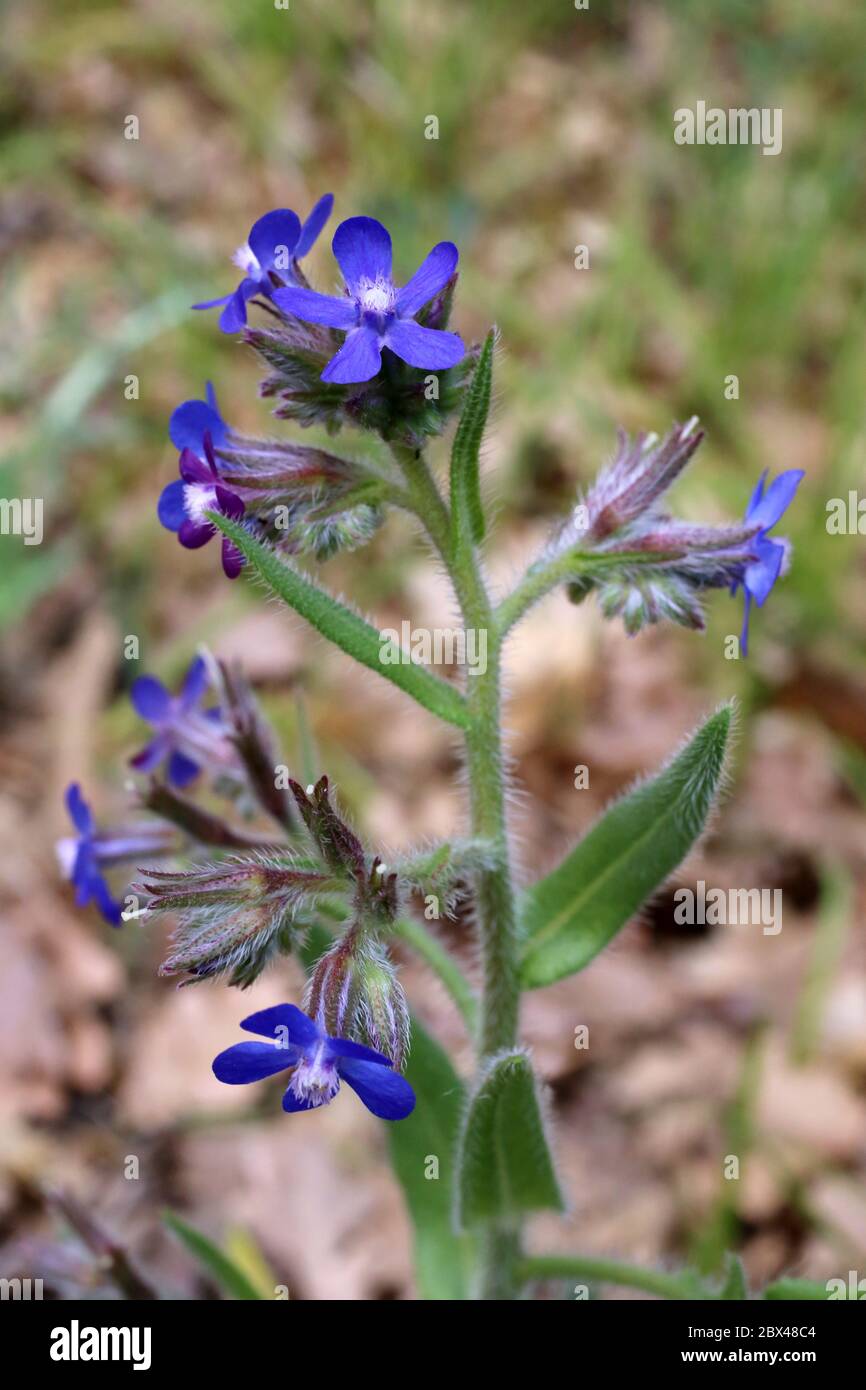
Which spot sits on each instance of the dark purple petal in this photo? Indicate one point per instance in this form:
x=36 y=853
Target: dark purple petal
x=229 y=503
x=313 y=225
x=181 y=769
x=234 y=315
x=151 y=755
x=250 y=1061
x=79 y=812
x=362 y=247
x=424 y=347
x=190 y=420
x=344 y=1047
x=275 y=234
x=269 y=1023
x=384 y=1092
x=170 y=508
x=763 y=573
x=776 y=500
x=233 y=560
x=192 y=468
x=195 y=683
x=359 y=358
x=150 y=699
x=194 y=534
x=317 y=308
x=431 y=275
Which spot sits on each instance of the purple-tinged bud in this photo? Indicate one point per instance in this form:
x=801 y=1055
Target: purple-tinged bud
x=354 y=993
x=639 y=474
x=338 y=845
x=331 y=997
x=234 y=917
x=254 y=741
x=384 y=1013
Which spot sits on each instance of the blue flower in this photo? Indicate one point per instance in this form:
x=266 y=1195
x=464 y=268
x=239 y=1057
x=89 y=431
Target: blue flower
x=192 y=420
x=183 y=505
x=275 y=242
x=763 y=511
x=82 y=856
x=376 y=314
x=318 y=1062
x=186 y=735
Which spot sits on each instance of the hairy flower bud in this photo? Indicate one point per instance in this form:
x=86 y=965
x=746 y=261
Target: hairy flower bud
x=354 y=993
x=233 y=917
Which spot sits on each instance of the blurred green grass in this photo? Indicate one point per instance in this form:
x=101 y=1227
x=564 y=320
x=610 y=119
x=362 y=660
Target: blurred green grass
x=555 y=129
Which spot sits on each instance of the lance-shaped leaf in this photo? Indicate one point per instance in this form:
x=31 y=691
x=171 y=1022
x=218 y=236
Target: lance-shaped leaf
x=466 y=506
x=505 y=1166
x=342 y=626
x=576 y=910
x=423 y=1151
x=216 y=1263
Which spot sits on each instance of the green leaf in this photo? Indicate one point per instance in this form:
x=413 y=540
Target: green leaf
x=576 y=910
x=789 y=1290
x=443 y=1259
x=218 y=1265
x=735 y=1287
x=466 y=506
x=342 y=626
x=505 y=1166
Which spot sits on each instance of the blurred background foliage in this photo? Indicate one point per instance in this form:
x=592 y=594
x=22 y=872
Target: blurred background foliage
x=555 y=130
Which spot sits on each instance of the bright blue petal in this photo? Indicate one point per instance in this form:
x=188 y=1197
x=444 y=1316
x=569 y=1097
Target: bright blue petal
x=776 y=500
x=151 y=755
x=110 y=908
x=234 y=315
x=79 y=812
x=344 y=1047
x=313 y=225
x=211 y=397
x=269 y=1023
x=317 y=308
x=762 y=574
x=213 y=303
x=195 y=683
x=250 y=1061
x=757 y=494
x=188 y=423
x=362 y=247
x=275 y=235
x=383 y=1091
x=181 y=770
x=431 y=275
x=292 y=1105
x=424 y=347
x=171 y=508
x=359 y=358
x=150 y=699
x=744 y=634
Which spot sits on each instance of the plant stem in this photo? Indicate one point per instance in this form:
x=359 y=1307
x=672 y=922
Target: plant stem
x=679 y=1286
x=443 y=966
x=495 y=901
x=542 y=577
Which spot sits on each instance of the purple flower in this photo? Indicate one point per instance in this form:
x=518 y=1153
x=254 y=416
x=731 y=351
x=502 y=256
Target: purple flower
x=185 y=734
x=82 y=856
x=275 y=242
x=319 y=1063
x=184 y=504
x=376 y=314
x=192 y=420
x=764 y=510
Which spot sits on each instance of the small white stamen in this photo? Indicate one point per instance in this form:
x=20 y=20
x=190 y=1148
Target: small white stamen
x=199 y=498
x=246 y=261
x=376 y=296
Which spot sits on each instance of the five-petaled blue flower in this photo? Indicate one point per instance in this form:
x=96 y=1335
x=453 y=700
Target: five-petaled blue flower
x=83 y=855
x=183 y=505
x=186 y=735
x=764 y=510
x=275 y=242
x=376 y=314
x=319 y=1063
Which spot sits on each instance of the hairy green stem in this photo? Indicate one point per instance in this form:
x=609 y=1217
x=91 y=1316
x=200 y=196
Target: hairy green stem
x=544 y=576
x=588 y=1267
x=495 y=899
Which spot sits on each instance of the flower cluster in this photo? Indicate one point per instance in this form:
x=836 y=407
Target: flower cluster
x=646 y=565
x=84 y=856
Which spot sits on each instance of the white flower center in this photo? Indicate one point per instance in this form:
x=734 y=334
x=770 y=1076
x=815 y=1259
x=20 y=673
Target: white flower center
x=246 y=261
x=199 y=498
x=376 y=296
x=315 y=1079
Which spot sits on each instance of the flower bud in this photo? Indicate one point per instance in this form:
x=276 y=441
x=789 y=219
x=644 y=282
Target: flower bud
x=354 y=993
